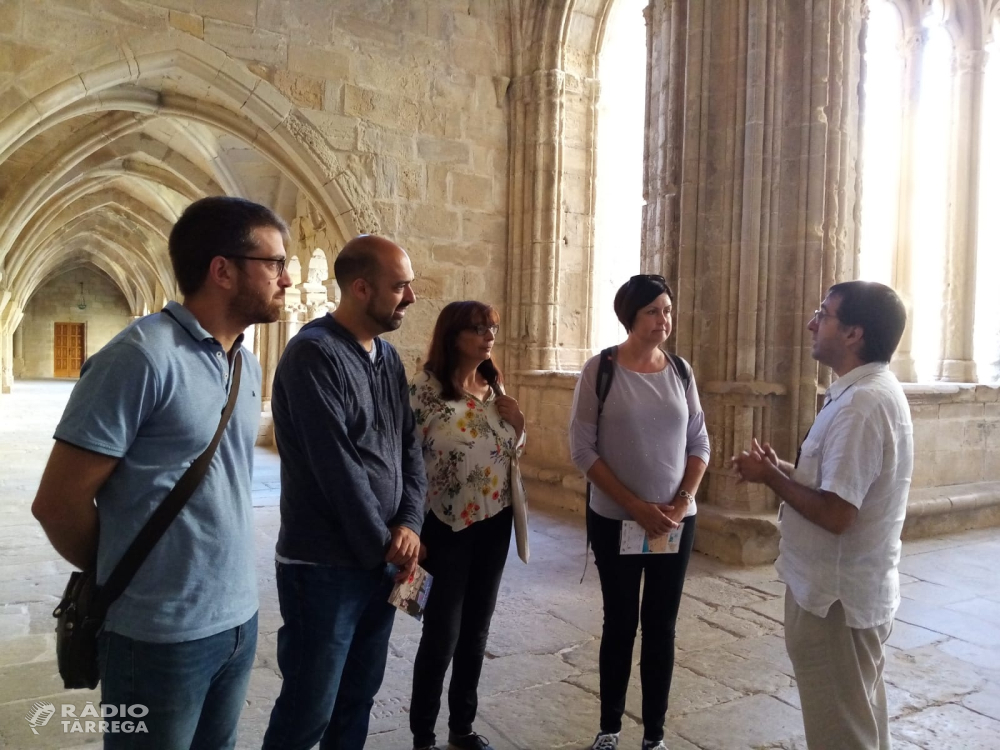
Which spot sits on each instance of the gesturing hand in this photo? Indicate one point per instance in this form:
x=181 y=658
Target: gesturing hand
x=510 y=412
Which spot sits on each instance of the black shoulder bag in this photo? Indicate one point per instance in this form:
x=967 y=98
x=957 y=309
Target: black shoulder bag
x=80 y=615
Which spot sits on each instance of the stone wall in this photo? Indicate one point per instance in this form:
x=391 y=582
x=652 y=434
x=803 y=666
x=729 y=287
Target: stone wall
x=392 y=116
x=956 y=429
x=106 y=314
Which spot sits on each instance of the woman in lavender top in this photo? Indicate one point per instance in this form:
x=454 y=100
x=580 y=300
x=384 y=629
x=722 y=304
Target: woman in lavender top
x=645 y=452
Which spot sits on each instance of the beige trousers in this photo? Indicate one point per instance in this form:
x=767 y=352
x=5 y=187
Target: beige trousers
x=839 y=674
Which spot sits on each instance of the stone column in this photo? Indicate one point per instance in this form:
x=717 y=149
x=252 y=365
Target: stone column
x=903 y=276
x=535 y=220
x=959 y=283
x=768 y=132
x=18 y=352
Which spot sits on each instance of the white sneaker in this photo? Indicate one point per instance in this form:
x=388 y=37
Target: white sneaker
x=647 y=745
x=605 y=742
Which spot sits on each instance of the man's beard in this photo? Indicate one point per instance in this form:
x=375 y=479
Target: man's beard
x=385 y=321
x=251 y=307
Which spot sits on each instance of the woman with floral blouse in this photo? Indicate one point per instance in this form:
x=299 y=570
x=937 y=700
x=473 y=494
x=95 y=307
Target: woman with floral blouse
x=471 y=433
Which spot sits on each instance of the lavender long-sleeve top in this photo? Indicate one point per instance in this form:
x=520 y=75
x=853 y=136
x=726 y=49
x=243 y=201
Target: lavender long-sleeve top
x=649 y=427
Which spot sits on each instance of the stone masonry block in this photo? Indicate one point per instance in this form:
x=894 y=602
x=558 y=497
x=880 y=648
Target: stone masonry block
x=463 y=254
x=333 y=96
x=476 y=56
x=234 y=11
x=381 y=108
x=472 y=191
x=431 y=221
x=141 y=14
x=318 y=61
x=962 y=411
x=341 y=132
x=313 y=20
x=11 y=13
x=188 y=23
x=442 y=122
x=380 y=140
x=442 y=151
x=304 y=91
x=483 y=227
x=412 y=181
x=15 y=58
x=247 y=43
x=57 y=28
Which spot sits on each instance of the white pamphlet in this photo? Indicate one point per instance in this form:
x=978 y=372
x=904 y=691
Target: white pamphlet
x=635 y=541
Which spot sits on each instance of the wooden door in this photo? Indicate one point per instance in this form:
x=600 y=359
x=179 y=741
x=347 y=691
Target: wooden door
x=70 y=344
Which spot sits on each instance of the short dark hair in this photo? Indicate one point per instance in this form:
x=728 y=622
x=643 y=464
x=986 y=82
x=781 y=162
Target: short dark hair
x=442 y=358
x=878 y=310
x=638 y=292
x=358 y=259
x=218 y=225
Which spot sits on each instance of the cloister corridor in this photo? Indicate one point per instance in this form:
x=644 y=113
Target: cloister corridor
x=732 y=689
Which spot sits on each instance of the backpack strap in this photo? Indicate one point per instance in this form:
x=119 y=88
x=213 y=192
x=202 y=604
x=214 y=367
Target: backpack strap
x=683 y=370
x=602 y=386
x=605 y=374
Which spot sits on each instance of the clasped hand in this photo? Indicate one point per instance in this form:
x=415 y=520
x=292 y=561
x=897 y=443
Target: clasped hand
x=659 y=519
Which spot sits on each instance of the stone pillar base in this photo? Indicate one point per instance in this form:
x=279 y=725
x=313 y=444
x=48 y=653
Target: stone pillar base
x=737 y=537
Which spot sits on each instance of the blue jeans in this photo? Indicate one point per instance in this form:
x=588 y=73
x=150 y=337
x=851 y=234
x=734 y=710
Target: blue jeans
x=194 y=690
x=332 y=651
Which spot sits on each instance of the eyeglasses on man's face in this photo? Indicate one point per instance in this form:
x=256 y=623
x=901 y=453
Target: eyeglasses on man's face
x=820 y=315
x=481 y=330
x=274 y=266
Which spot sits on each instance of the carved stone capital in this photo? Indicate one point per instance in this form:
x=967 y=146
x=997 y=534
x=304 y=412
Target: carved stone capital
x=970 y=61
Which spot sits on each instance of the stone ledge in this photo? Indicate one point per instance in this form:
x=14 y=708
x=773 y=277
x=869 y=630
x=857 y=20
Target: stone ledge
x=933 y=511
x=752 y=538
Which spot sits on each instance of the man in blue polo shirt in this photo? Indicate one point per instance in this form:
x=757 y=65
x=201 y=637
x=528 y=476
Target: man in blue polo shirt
x=181 y=639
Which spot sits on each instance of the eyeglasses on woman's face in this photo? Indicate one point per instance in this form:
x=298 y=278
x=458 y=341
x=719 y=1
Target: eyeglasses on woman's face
x=481 y=330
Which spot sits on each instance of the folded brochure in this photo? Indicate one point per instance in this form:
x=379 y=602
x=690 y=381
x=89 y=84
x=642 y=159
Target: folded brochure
x=635 y=541
x=410 y=595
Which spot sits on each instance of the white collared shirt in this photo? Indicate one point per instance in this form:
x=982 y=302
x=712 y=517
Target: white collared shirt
x=861 y=448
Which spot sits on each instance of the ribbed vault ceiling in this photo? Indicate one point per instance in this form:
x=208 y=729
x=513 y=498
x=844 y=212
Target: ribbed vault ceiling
x=102 y=189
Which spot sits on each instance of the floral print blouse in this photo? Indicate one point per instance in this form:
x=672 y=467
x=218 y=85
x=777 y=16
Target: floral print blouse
x=467 y=449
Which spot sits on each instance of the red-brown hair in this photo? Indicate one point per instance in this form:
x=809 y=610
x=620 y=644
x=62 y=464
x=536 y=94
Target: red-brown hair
x=442 y=358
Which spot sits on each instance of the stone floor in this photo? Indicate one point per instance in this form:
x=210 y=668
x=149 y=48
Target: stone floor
x=732 y=684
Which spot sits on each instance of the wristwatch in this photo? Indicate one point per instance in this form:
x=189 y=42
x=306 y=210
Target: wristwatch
x=686 y=495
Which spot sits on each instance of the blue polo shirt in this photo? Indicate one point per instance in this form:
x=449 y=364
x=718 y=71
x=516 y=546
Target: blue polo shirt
x=153 y=397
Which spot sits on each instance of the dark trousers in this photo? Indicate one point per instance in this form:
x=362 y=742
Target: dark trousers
x=332 y=651
x=194 y=690
x=661 y=597
x=467 y=566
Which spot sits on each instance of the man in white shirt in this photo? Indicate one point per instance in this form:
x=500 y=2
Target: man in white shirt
x=844 y=501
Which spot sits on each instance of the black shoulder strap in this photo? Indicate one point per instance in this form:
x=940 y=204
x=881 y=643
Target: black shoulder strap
x=683 y=370
x=170 y=507
x=605 y=374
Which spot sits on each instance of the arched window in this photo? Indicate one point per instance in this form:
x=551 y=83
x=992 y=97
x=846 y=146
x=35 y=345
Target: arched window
x=987 y=331
x=884 y=87
x=908 y=168
x=618 y=185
